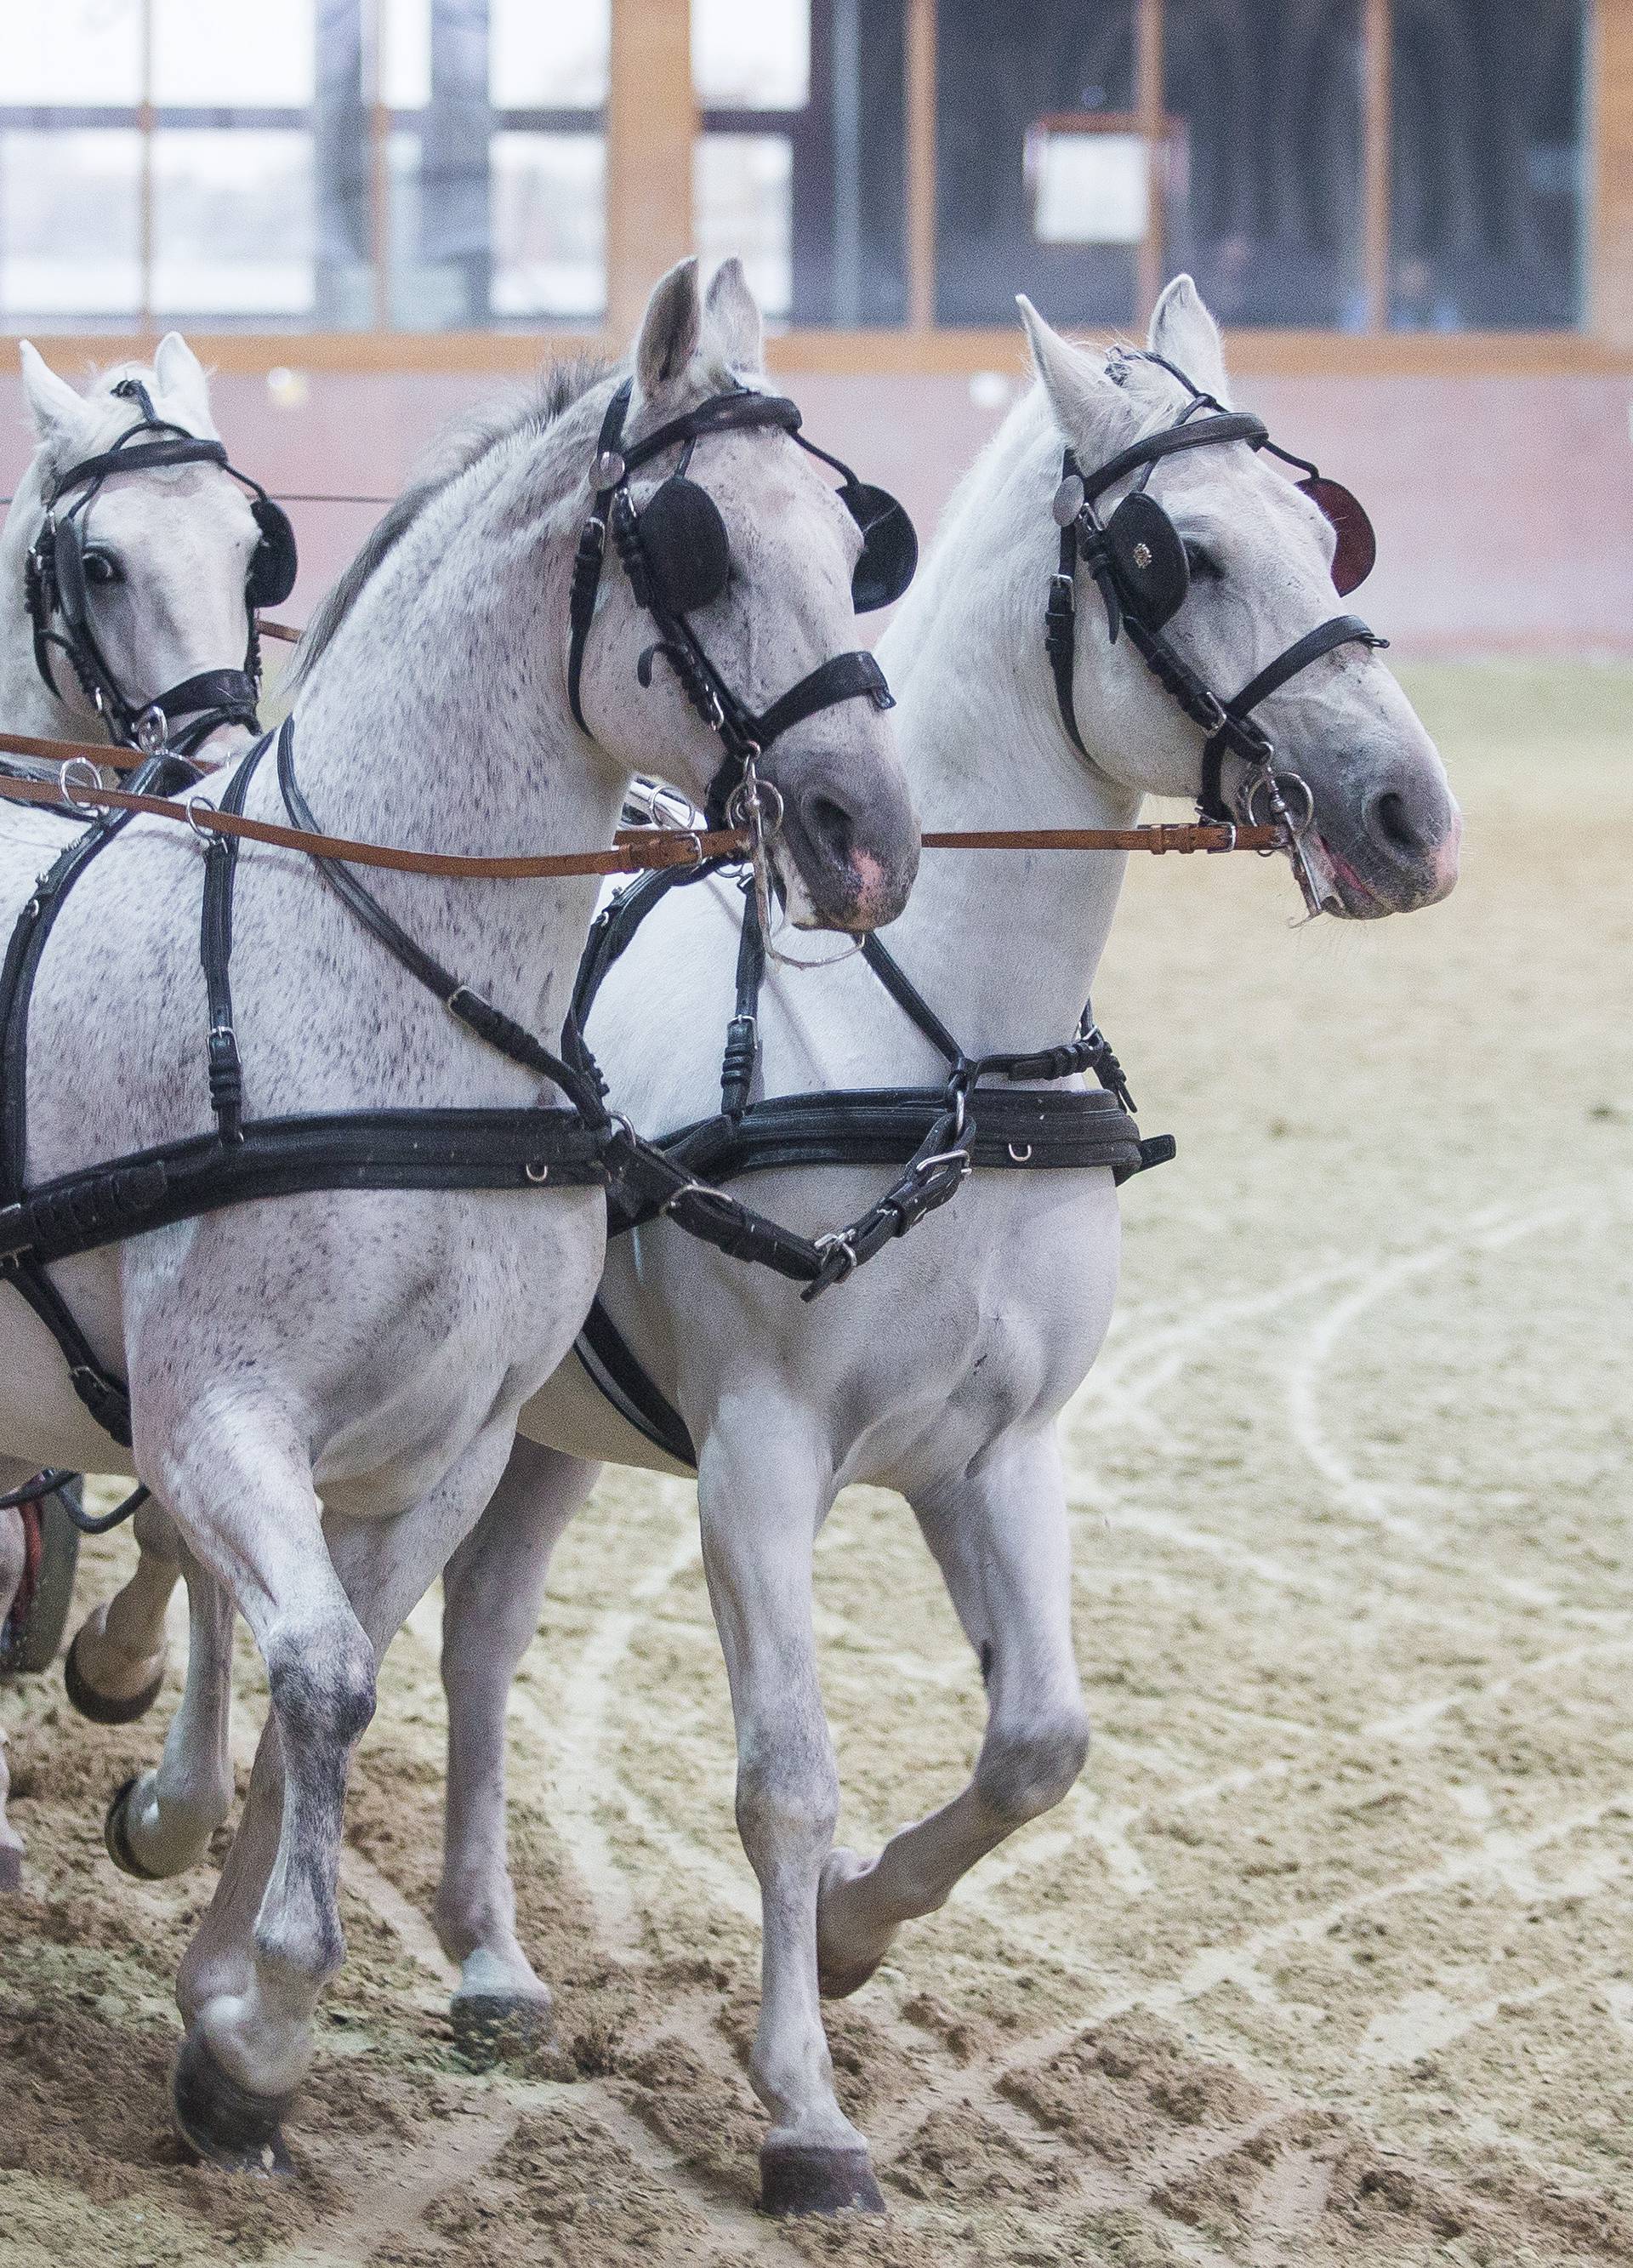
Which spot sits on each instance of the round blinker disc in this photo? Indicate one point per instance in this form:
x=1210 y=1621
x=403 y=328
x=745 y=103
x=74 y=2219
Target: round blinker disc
x=1357 y=552
x=688 y=553
x=69 y=564
x=1148 y=560
x=889 y=547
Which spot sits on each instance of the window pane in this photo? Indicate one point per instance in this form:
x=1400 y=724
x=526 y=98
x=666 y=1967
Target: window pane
x=550 y=238
x=751 y=54
x=548 y=54
x=1001 y=72
x=72 y=51
x=70 y=231
x=250 y=55
x=741 y=190
x=232 y=223
x=405 y=63
x=1486 y=217
x=1265 y=201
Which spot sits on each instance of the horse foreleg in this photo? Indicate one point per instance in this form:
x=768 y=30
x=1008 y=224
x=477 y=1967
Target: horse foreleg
x=1000 y=1536
x=762 y=1503
x=493 y=1590
x=160 y=1823
x=12 y=1550
x=116 y=1663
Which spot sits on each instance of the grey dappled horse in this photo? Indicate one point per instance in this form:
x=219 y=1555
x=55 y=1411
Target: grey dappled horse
x=324 y=1387
x=167 y=554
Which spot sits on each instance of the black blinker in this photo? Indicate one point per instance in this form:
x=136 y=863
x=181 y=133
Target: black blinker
x=69 y=564
x=889 y=546
x=687 y=549
x=274 y=562
x=1148 y=560
x=1356 y=554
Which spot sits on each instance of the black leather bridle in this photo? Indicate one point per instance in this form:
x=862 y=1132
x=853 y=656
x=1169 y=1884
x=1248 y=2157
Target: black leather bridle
x=1137 y=560
x=56 y=594
x=662 y=548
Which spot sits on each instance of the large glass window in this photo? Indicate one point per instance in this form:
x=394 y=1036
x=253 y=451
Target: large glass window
x=1488 y=189
x=1265 y=158
x=1032 y=103
x=800 y=160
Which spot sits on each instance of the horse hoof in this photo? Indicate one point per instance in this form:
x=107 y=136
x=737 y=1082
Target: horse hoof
x=492 y=2027
x=795 y=2183
x=103 y=1708
x=10 y=1867
x=116 y=1834
x=226 y=2125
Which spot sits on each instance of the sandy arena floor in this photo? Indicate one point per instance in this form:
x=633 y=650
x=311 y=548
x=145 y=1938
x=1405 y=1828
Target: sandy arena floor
x=1330 y=1959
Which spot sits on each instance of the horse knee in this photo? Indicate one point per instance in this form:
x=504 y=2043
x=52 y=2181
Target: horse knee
x=1028 y=1769
x=787 y=1793
x=322 y=1686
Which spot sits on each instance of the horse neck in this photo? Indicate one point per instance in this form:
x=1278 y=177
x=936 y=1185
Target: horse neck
x=437 y=720
x=25 y=706
x=1005 y=944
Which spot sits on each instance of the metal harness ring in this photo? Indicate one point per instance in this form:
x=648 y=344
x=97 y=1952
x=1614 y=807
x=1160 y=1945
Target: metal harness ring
x=65 y=780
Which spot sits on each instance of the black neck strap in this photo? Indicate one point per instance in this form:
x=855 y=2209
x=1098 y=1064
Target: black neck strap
x=744 y=733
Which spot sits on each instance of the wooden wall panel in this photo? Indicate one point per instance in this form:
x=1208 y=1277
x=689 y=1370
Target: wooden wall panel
x=652 y=123
x=1610 y=280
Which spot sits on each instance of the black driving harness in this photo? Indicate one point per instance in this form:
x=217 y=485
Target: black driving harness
x=56 y=590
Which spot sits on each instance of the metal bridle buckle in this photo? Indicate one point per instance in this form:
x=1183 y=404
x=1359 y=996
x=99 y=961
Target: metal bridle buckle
x=207 y=836
x=151 y=730
x=64 y=779
x=843 y=1242
x=927 y=1165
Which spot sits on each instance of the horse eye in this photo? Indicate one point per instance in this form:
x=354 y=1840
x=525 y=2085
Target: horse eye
x=100 y=568
x=1203 y=564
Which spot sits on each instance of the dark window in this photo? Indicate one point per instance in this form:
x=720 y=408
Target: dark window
x=1001 y=72
x=1265 y=159
x=1487 y=165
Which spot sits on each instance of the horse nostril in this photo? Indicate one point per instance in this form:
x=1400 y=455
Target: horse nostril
x=1393 y=823
x=831 y=828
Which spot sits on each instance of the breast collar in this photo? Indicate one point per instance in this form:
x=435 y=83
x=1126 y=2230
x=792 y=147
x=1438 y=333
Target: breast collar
x=1273 y=794
x=743 y=734
x=207 y=701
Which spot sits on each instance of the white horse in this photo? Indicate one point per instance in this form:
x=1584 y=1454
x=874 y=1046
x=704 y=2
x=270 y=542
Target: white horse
x=166 y=553
x=325 y=1387
x=940 y=1368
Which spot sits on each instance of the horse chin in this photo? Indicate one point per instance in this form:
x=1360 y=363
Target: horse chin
x=865 y=905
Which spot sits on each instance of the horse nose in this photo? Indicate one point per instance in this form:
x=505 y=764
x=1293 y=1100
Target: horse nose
x=867 y=865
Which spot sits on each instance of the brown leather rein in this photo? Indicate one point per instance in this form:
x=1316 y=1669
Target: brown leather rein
x=635 y=850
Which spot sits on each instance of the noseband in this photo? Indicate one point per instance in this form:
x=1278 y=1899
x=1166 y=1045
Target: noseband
x=55 y=589
x=676 y=553
x=1137 y=558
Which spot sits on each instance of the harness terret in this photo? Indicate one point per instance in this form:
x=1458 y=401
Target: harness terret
x=55 y=589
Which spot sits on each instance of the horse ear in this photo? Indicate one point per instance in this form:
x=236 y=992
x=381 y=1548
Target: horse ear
x=733 y=317
x=179 y=376
x=59 y=414
x=1184 y=334
x=670 y=331
x=1081 y=395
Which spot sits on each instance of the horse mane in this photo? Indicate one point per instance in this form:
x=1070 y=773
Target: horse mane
x=457 y=451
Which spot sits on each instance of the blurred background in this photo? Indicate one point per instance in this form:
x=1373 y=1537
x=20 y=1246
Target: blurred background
x=1412 y=215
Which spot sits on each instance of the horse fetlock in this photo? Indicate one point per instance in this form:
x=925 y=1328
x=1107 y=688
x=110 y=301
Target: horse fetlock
x=153 y=1833
x=106 y=1681
x=1028 y=1769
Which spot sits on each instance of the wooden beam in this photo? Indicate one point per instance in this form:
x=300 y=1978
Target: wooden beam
x=921 y=184
x=652 y=126
x=1379 y=81
x=1610 y=175
x=1153 y=115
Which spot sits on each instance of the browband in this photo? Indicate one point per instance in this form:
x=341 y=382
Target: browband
x=1231 y=425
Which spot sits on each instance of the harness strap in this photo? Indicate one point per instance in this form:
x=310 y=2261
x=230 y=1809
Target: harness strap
x=226 y=1074
x=1343 y=630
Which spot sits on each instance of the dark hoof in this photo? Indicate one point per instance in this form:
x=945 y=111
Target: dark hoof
x=223 y=2121
x=499 y=2027
x=101 y=1708
x=10 y=1868
x=794 y=2182
x=115 y=1834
